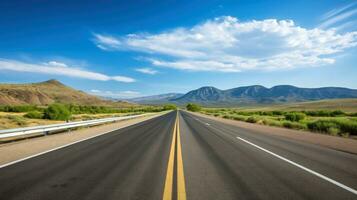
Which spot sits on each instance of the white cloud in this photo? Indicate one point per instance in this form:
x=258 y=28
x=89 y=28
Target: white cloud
x=228 y=45
x=106 y=42
x=56 y=64
x=118 y=94
x=147 y=71
x=57 y=68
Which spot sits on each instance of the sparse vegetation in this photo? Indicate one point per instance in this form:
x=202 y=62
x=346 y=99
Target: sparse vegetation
x=57 y=112
x=31 y=115
x=332 y=122
x=170 y=107
x=34 y=115
x=294 y=116
x=193 y=107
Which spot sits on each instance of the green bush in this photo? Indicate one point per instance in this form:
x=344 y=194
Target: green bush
x=240 y=118
x=23 y=108
x=170 y=107
x=332 y=125
x=325 y=113
x=294 y=125
x=57 y=112
x=322 y=125
x=34 y=115
x=193 y=107
x=227 y=117
x=294 y=116
x=252 y=120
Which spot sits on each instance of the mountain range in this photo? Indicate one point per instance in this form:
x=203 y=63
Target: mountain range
x=53 y=91
x=250 y=95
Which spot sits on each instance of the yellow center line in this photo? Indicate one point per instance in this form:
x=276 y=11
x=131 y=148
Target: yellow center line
x=181 y=188
x=170 y=168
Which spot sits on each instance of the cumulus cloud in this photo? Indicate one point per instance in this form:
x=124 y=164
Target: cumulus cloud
x=119 y=94
x=58 y=68
x=228 y=45
x=147 y=71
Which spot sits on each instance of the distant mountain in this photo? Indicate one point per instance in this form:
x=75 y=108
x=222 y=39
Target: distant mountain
x=156 y=99
x=256 y=94
x=51 y=91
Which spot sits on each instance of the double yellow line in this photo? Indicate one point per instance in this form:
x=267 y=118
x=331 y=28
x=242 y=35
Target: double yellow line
x=181 y=189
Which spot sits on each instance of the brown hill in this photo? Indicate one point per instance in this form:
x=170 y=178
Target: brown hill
x=51 y=91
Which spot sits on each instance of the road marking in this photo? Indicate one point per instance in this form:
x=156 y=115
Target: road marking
x=170 y=168
x=302 y=167
x=63 y=146
x=181 y=189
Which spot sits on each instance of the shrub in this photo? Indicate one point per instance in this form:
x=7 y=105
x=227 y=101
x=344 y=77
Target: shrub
x=347 y=126
x=57 y=112
x=193 y=107
x=332 y=125
x=252 y=120
x=272 y=122
x=170 y=107
x=322 y=125
x=227 y=116
x=294 y=125
x=17 y=119
x=240 y=118
x=294 y=116
x=34 y=115
x=325 y=113
x=23 y=108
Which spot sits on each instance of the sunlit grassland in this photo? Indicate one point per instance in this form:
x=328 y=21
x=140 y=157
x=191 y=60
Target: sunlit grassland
x=332 y=122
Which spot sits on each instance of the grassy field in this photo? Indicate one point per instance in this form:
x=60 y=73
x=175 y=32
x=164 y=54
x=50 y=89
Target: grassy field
x=336 y=117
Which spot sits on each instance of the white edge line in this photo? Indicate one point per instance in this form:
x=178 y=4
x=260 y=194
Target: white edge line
x=303 y=168
x=63 y=146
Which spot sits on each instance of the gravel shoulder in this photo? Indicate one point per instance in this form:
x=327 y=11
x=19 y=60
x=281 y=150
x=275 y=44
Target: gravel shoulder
x=13 y=151
x=333 y=142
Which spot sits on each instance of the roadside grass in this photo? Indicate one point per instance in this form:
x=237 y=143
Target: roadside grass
x=31 y=115
x=21 y=119
x=331 y=122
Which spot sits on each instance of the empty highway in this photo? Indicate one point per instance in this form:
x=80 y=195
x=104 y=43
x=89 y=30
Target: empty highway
x=183 y=156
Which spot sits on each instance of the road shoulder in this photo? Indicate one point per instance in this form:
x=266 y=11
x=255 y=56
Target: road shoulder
x=10 y=152
x=333 y=142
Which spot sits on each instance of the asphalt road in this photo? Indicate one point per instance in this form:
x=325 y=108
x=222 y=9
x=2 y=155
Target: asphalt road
x=183 y=156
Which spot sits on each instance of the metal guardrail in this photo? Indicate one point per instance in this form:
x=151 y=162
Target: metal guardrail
x=45 y=129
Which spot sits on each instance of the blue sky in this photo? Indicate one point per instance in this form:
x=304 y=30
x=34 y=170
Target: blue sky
x=127 y=49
